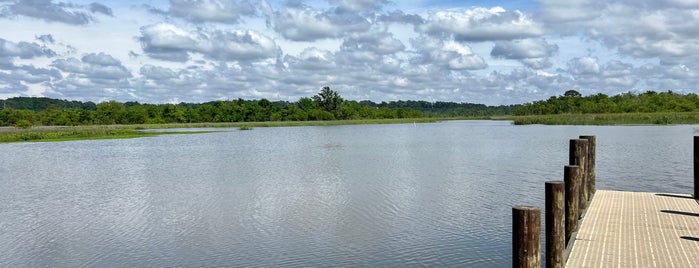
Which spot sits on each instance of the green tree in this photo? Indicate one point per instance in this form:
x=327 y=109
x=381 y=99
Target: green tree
x=572 y=93
x=23 y=123
x=329 y=100
x=111 y=112
x=306 y=104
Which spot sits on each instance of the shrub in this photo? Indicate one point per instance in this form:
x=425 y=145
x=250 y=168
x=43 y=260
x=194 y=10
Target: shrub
x=23 y=123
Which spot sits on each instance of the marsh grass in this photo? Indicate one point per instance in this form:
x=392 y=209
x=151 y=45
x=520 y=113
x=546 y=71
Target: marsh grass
x=608 y=119
x=60 y=133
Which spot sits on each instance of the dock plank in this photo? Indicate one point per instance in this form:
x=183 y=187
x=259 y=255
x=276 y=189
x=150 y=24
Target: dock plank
x=630 y=229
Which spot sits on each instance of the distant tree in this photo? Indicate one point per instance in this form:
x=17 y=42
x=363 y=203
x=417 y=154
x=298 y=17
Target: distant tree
x=329 y=100
x=111 y=112
x=572 y=93
x=23 y=123
x=306 y=104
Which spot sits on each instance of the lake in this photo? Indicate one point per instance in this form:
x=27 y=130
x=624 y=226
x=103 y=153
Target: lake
x=400 y=195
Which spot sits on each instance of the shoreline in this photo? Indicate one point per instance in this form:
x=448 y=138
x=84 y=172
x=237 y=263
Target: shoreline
x=95 y=132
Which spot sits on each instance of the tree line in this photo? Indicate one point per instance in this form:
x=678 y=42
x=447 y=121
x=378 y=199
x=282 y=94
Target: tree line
x=326 y=105
x=572 y=102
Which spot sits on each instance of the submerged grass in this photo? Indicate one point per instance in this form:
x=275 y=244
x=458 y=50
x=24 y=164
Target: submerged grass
x=53 y=133
x=607 y=119
x=60 y=133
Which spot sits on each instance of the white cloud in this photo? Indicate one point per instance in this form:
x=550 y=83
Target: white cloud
x=583 y=66
x=169 y=42
x=24 y=50
x=225 y=11
x=303 y=23
x=53 y=12
x=449 y=54
x=202 y=50
x=534 y=53
x=481 y=24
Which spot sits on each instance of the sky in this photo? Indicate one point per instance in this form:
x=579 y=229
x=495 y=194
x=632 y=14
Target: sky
x=490 y=52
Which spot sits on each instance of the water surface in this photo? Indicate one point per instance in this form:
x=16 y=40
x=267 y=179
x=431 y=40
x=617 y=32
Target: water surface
x=365 y=195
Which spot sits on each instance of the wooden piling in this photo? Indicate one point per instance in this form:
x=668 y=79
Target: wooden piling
x=555 y=224
x=526 y=236
x=571 y=177
x=590 y=164
x=696 y=167
x=578 y=156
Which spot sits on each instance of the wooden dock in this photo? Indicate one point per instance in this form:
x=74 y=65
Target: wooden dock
x=630 y=229
x=586 y=227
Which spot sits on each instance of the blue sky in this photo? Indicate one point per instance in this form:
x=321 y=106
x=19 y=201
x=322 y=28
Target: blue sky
x=492 y=52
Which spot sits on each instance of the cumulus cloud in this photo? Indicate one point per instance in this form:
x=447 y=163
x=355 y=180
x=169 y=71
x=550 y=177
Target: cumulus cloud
x=311 y=59
x=31 y=74
x=169 y=42
x=449 y=54
x=360 y=5
x=378 y=42
x=398 y=16
x=364 y=49
x=54 y=12
x=156 y=72
x=224 y=11
x=302 y=23
x=555 y=12
x=642 y=29
x=46 y=38
x=583 y=66
x=23 y=50
x=100 y=8
x=481 y=24
x=93 y=66
x=531 y=52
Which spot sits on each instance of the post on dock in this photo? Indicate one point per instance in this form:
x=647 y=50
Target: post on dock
x=578 y=156
x=571 y=177
x=696 y=167
x=555 y=224
x=590 y=164
x=526 y=236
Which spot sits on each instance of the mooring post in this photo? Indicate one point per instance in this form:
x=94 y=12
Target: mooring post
x=571 y=177
x=696 y=167
x=577 y=157
x=590 y=164
x=526 y=236
x=555 y=224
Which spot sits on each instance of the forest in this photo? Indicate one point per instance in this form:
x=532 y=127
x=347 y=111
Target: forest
x=326 y=105
x=572 y=102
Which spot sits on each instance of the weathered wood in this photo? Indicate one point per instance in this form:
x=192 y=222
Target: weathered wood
x=571 y=177
x=578 y=156
x=590 y=164
x=555 y=224
x=526 y=240
x=696 y=167
x=526 y=236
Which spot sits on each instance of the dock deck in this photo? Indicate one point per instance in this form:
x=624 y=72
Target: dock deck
x=629 y=229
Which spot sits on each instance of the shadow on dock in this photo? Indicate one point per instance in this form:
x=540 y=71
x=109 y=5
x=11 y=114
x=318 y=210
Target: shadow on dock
x=680 y=212
x=690 y=238
x=676 y=196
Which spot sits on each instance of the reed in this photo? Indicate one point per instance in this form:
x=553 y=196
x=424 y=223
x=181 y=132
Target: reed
x=61 y=133
x=608 y=119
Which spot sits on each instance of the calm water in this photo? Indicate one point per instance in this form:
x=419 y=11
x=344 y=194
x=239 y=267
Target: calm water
x=369 y=196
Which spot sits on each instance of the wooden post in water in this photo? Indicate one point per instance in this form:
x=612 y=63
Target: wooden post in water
x=571 y=177
x=578 y=156
x=590 y=164
x=696 y=167
x=526 y=237
x=555 y=224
